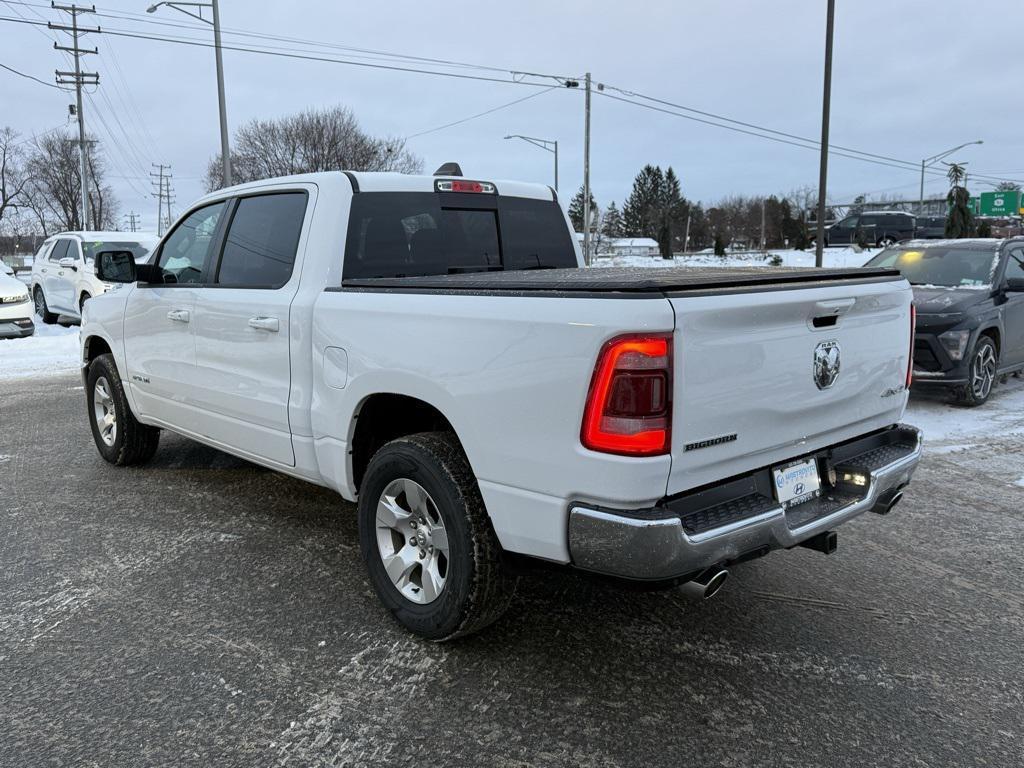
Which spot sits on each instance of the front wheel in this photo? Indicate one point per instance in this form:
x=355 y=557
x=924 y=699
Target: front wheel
x=42 y=309
x=427 y=541
x=981 y=373
x=886 y=242
x=120 y=438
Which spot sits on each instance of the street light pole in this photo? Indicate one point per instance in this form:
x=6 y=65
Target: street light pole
x=819 y=241
x=225 y=149
x=929 y=160
x=548 y=145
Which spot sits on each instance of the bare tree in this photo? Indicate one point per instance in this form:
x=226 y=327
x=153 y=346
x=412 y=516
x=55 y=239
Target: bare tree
x=55 y=185
x=314 y=140
x=12 y=171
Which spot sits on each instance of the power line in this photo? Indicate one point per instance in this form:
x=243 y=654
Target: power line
x=309 y=57
x=481 y=114
x=30 y=77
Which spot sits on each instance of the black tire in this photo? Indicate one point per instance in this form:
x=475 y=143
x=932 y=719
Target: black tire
x=132 y=442
x=984 y=357
x=478 y=587
x=42 y=309
x=81 y=302
x=886 y=241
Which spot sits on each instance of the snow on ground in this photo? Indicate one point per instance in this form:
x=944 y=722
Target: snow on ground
x=949 y=428
x=52 y=350
x=834 y=257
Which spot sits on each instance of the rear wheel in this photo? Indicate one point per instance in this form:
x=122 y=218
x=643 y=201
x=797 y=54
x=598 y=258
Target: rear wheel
x=430 y=551
x=981 y=373
x=120 y=438
x=42 y=310
x=886 y=241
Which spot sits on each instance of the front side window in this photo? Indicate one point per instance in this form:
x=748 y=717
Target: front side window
x=184 y=254
x=259 y=250
x=1015 y=265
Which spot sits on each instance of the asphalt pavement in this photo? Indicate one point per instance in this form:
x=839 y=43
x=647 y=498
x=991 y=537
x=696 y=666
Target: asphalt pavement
x=204 y=611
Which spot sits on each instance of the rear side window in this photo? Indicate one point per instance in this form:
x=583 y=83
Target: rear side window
x=259 y=250
x=403 y=234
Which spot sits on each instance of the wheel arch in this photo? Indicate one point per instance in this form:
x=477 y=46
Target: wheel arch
x=994 y=333
x=385 y=416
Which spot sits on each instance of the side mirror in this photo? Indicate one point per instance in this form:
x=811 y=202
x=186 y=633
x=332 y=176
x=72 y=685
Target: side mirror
x=68 y=263
x=1015 y=284
x=115 y=267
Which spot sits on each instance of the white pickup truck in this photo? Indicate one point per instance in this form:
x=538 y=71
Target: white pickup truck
x=433 y=348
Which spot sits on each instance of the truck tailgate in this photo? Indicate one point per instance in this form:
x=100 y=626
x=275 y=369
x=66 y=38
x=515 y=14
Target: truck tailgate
x=746 y=394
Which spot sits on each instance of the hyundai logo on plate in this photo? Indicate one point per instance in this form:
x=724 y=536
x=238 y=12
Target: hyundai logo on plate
x=826 y=363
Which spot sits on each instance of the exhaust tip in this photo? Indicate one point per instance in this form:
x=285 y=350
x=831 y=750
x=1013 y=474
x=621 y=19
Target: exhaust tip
x=895 y=500
x=706 y=585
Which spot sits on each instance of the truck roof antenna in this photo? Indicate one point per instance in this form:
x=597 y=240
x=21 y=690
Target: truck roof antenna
x=449 y=169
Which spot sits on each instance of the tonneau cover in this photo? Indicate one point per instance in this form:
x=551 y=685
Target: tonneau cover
x=632 y=280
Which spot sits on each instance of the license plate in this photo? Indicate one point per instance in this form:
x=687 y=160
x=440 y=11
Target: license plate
x=796 y=483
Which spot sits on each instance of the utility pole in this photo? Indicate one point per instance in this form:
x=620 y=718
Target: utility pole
x=168 y=193
x=819 y=241
x=159 y=176
x=586 y=174
x=78 y=78
x=133 y=218
x=762 y=223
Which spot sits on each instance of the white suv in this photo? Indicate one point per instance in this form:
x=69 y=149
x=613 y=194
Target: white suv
x=62 y=273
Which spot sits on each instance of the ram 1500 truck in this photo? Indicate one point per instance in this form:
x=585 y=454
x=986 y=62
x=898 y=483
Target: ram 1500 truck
x=433 y=349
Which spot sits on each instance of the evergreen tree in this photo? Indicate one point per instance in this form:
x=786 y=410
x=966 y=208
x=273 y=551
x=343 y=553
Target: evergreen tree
x=1007 y=186
x=959 y=222
x=576 y=210
x=719 y=245
x=613 y=224
x=671 y=208
x=640 y=212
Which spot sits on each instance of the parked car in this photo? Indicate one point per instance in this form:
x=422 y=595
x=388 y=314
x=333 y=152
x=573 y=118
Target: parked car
x=930 y=228
x=15 y=306
x=969 y=296
x=63 y=276
x=433 y=348
x=879 y=228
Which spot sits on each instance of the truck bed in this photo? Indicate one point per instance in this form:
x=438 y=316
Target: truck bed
x=625 y=280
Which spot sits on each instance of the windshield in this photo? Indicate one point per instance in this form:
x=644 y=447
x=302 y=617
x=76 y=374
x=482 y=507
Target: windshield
x=90 y=249
x=402 y=234
x=945 y=267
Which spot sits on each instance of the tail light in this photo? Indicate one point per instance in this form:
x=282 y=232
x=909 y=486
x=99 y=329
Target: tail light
x=913 y=331
x=629 y=406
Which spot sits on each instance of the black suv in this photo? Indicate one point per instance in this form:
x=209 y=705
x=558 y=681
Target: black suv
x=930 y=228
x=881 y=228
x=969 y=296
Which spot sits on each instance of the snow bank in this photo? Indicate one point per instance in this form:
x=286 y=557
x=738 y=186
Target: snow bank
x=51 y=350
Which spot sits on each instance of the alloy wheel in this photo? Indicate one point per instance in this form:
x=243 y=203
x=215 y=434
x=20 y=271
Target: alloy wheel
x=103 y=411
x=40 y=302
x=983 y=371
x=412 y=541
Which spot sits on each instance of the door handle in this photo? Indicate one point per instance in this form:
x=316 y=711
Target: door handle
x=261 y=323
x=178 y=315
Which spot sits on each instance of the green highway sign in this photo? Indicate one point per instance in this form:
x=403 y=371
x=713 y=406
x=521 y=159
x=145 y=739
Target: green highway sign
x=1000 y=203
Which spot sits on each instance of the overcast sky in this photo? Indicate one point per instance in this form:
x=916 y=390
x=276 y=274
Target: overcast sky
x=911 y=79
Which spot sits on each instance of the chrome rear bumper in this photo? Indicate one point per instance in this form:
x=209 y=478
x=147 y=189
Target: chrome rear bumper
x=680 y=537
